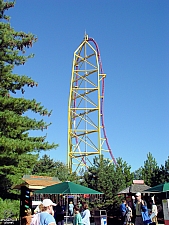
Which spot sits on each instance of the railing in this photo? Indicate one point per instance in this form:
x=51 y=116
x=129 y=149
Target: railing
x=9 y=221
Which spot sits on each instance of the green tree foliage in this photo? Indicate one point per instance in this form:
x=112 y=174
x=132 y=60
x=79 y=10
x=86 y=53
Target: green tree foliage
x=46 y=166
x=163 y=173
x=151 y=173
x=109 y=179
x=138 y=174
x=26 y=163
x=149 y=170
x=15 y=125
x=9 y=209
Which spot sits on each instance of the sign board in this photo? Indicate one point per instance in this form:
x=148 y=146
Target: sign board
x=86 y=196
x=166 y=211
x=103 y=220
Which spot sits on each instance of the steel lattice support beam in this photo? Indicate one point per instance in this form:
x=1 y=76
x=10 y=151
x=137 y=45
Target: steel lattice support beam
x=85 y=139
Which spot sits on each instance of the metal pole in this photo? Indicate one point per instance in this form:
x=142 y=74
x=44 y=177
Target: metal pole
x=66 y=209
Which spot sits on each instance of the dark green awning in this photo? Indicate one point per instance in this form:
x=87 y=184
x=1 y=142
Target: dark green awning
x=67 y=188
x=164 y=187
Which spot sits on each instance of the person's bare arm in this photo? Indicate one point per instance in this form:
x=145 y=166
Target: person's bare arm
x=53 y=223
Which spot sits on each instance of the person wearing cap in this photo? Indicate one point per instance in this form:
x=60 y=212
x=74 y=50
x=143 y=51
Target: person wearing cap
x=46 y=217
x=142 y=217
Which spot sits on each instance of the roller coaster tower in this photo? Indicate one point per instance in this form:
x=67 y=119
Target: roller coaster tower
x=86 y=130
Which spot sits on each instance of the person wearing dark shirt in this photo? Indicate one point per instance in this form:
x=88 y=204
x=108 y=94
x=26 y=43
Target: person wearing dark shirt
x=59 y=214
x=142 y=217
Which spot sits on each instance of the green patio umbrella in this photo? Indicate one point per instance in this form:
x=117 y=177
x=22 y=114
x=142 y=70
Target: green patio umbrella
x=164 y=187
x=67 y=188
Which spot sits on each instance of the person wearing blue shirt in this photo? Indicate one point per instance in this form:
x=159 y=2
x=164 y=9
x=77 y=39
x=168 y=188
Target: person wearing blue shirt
x=46 y=217
x=123 y=210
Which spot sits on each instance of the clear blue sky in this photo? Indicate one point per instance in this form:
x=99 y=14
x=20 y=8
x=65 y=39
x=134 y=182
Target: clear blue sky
x=133 y=37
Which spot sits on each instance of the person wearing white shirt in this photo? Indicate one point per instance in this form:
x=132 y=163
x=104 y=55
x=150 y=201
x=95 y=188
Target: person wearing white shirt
x=85 y=214
x=154 y=212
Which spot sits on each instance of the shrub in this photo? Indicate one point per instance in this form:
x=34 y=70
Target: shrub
x=9 y=209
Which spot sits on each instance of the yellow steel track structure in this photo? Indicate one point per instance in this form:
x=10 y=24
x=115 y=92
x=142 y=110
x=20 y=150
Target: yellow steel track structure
x=84 y=113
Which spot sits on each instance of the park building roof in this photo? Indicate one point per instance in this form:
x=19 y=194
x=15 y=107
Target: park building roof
x=34 y=182
x=136 y=186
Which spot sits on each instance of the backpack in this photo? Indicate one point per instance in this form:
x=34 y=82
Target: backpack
x=35 y=219
x=129 y=210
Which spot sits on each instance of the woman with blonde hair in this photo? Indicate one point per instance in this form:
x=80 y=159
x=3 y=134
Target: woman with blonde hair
x=36 y=216
x=71 y=207
x=26 y=220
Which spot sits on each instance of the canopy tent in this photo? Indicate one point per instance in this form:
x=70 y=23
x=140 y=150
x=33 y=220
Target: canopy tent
x=164 y=187
x=67 y=188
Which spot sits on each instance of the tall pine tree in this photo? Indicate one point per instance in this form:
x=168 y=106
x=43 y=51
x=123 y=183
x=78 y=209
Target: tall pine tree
x=109 y=179
x=15 y=127
x=149 y=171
x=46 y=166
x=163 y=173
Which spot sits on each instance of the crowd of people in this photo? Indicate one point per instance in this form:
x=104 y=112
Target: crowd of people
x=49 y=213
x=136 y=211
